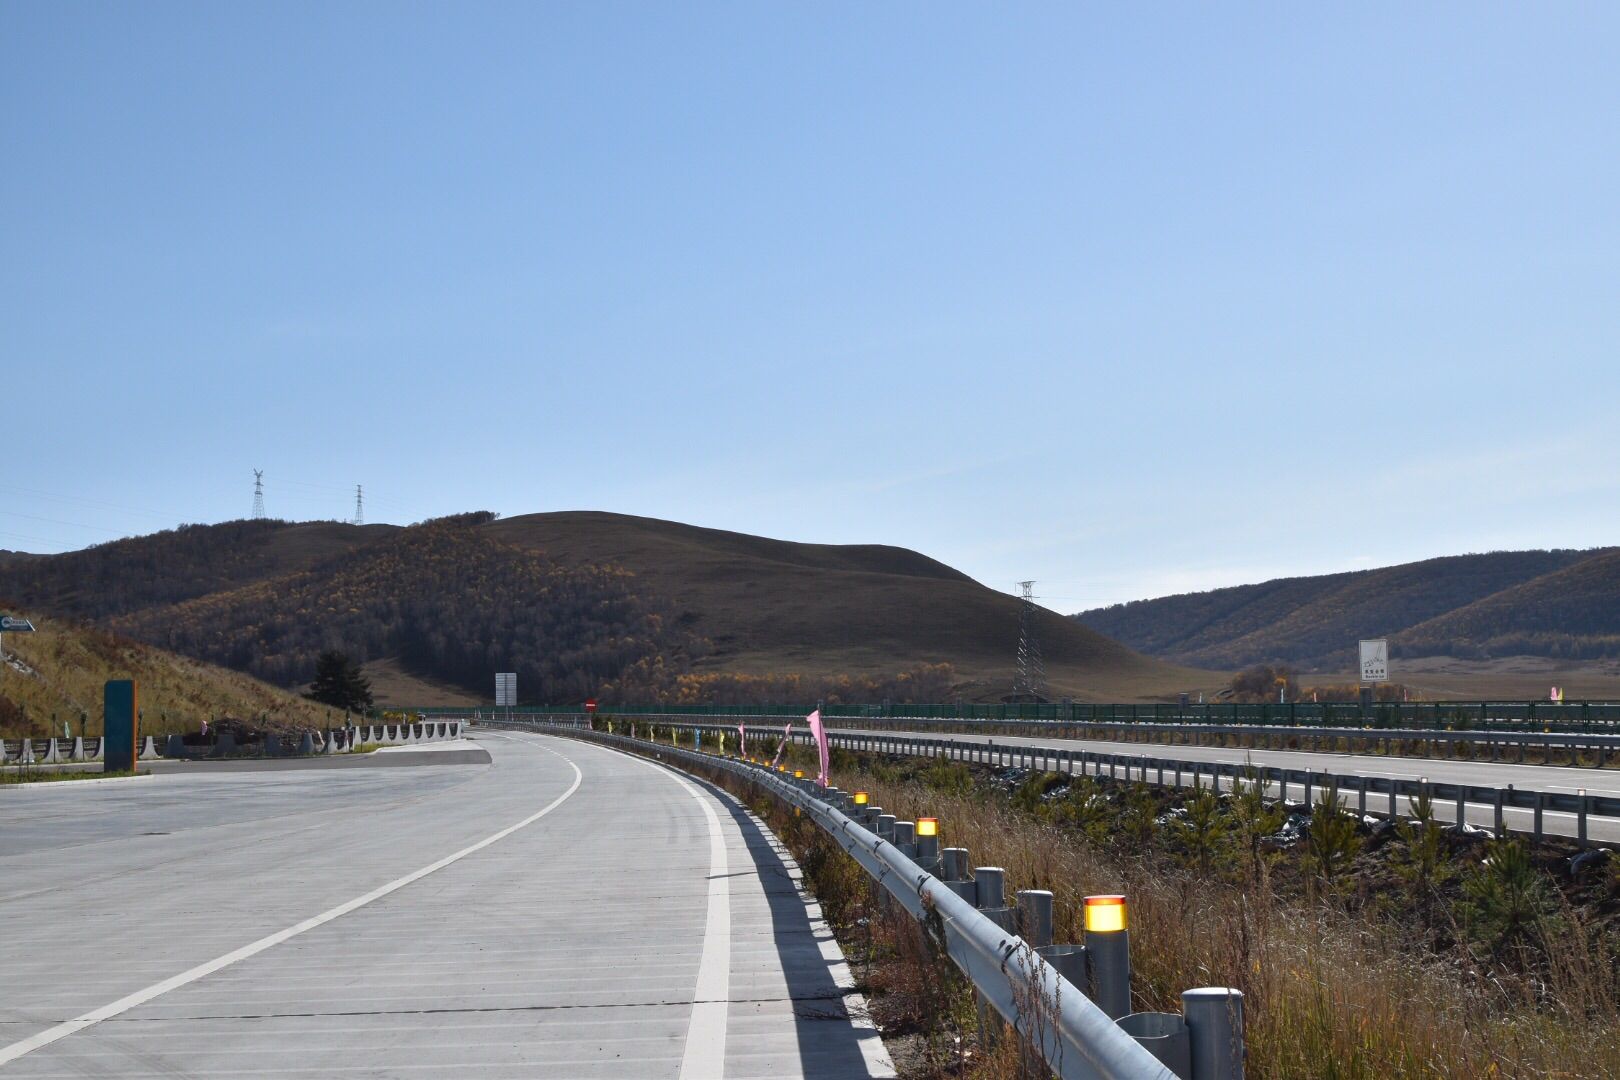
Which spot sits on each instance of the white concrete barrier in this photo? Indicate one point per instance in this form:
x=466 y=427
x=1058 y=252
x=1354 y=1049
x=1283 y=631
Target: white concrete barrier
x=78 y=748
x=148 y=749
x=26 y=756
x=52 y=755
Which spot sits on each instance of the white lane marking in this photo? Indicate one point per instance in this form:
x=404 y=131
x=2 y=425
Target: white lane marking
x=174 y=982
x=704 y=1057
x=705 y=1054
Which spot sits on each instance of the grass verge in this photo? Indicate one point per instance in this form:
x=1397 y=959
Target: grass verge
x=25 y=775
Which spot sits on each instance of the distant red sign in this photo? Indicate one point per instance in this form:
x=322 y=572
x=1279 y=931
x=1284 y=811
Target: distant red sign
x=590 y=704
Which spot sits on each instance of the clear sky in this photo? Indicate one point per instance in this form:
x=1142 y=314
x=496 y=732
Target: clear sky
x=1128 y=299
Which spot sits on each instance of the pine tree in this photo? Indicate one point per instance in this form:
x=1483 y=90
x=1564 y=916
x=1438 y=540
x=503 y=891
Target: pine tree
x=340 y=683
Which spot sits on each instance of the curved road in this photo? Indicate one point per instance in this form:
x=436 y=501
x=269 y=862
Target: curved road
x=559 y=910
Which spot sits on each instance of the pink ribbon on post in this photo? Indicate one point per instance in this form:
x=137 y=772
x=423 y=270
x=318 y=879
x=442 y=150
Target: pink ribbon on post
x=781 y=746
x=819 y=730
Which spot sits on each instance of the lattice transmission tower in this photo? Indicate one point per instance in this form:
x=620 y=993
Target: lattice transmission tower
x=359 y=507
x=258 y=494
x=1030 y=684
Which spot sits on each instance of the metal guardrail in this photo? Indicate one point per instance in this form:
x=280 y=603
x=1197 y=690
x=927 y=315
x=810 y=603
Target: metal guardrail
x=1076 y=1038
x=1427 y=715
x=1356 y=789
x=1500 y=744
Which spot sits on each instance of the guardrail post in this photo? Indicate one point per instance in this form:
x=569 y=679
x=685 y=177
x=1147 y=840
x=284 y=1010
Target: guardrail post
x=954 y=864
x=1108 y=954
x=1035 y=917
x=905 y=838
x=885 y=827
x=1580 y=818
x=1535 y=831
x=927 y=843
x=992 y=886
x=1214 y=1016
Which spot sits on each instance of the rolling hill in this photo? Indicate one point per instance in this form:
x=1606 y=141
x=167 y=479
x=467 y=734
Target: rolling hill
x=1561 y=604
x=57 y=674
x=570 y=600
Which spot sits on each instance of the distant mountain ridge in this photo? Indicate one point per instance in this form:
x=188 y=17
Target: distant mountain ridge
x=1561 y=603
x=572 y=601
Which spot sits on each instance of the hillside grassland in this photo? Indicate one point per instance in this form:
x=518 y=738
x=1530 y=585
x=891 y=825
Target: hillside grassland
x=578 y=603
x=1561 y=604
x=58 y=673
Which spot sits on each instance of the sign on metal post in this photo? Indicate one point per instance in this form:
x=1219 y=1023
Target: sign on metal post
x=1375 y=660
x=12 y=624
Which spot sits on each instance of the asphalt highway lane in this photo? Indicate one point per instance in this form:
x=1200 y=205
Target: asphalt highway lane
x=556 y=912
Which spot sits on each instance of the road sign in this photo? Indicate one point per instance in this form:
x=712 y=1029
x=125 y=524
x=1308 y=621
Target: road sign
x=12 y=625
x=506 y=688
x=590 y=704
x=1375 y=660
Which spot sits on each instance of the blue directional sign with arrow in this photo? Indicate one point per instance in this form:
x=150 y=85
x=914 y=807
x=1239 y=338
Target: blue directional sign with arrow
x=12 y=625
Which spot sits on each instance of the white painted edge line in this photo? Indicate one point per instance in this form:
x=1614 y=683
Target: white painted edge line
x=704 y=1056
x=174 y=982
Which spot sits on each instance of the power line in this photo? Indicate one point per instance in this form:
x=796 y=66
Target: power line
x=258 y=494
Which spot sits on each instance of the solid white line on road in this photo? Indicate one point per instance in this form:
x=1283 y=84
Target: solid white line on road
x=174 y=982
x=704 y=1057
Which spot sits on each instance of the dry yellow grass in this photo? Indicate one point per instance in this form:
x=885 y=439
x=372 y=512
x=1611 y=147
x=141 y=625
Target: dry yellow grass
x=1328 y=994
x=67 y=666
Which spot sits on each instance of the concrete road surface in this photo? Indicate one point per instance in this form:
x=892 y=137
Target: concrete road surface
x=561 y=911
x=1480 y=773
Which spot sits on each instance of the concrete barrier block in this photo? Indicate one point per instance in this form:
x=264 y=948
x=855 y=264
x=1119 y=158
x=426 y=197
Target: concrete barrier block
x=149 y=750
x=306 y=743
x=100 y=750
x=78 y=749
x=174 y=746
x=272 y=746
x=26 y=756
x=224 y=745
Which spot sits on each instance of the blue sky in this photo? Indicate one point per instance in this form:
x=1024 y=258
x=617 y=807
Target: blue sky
x=1127 y=301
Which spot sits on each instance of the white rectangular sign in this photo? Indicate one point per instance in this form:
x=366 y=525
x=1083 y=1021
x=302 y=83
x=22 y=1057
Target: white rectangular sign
x=506 y=688
x=1375 y=660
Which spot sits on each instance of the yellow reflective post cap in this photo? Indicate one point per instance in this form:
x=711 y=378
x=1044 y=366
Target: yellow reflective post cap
x=1105 y=914
x=927 y=826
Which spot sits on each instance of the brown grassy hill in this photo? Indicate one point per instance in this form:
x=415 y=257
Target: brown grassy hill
x=775 y=606
x=58 y=673
x=124 y=576
x=1567 y=614
x=265 y=596
x=1317 y=620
